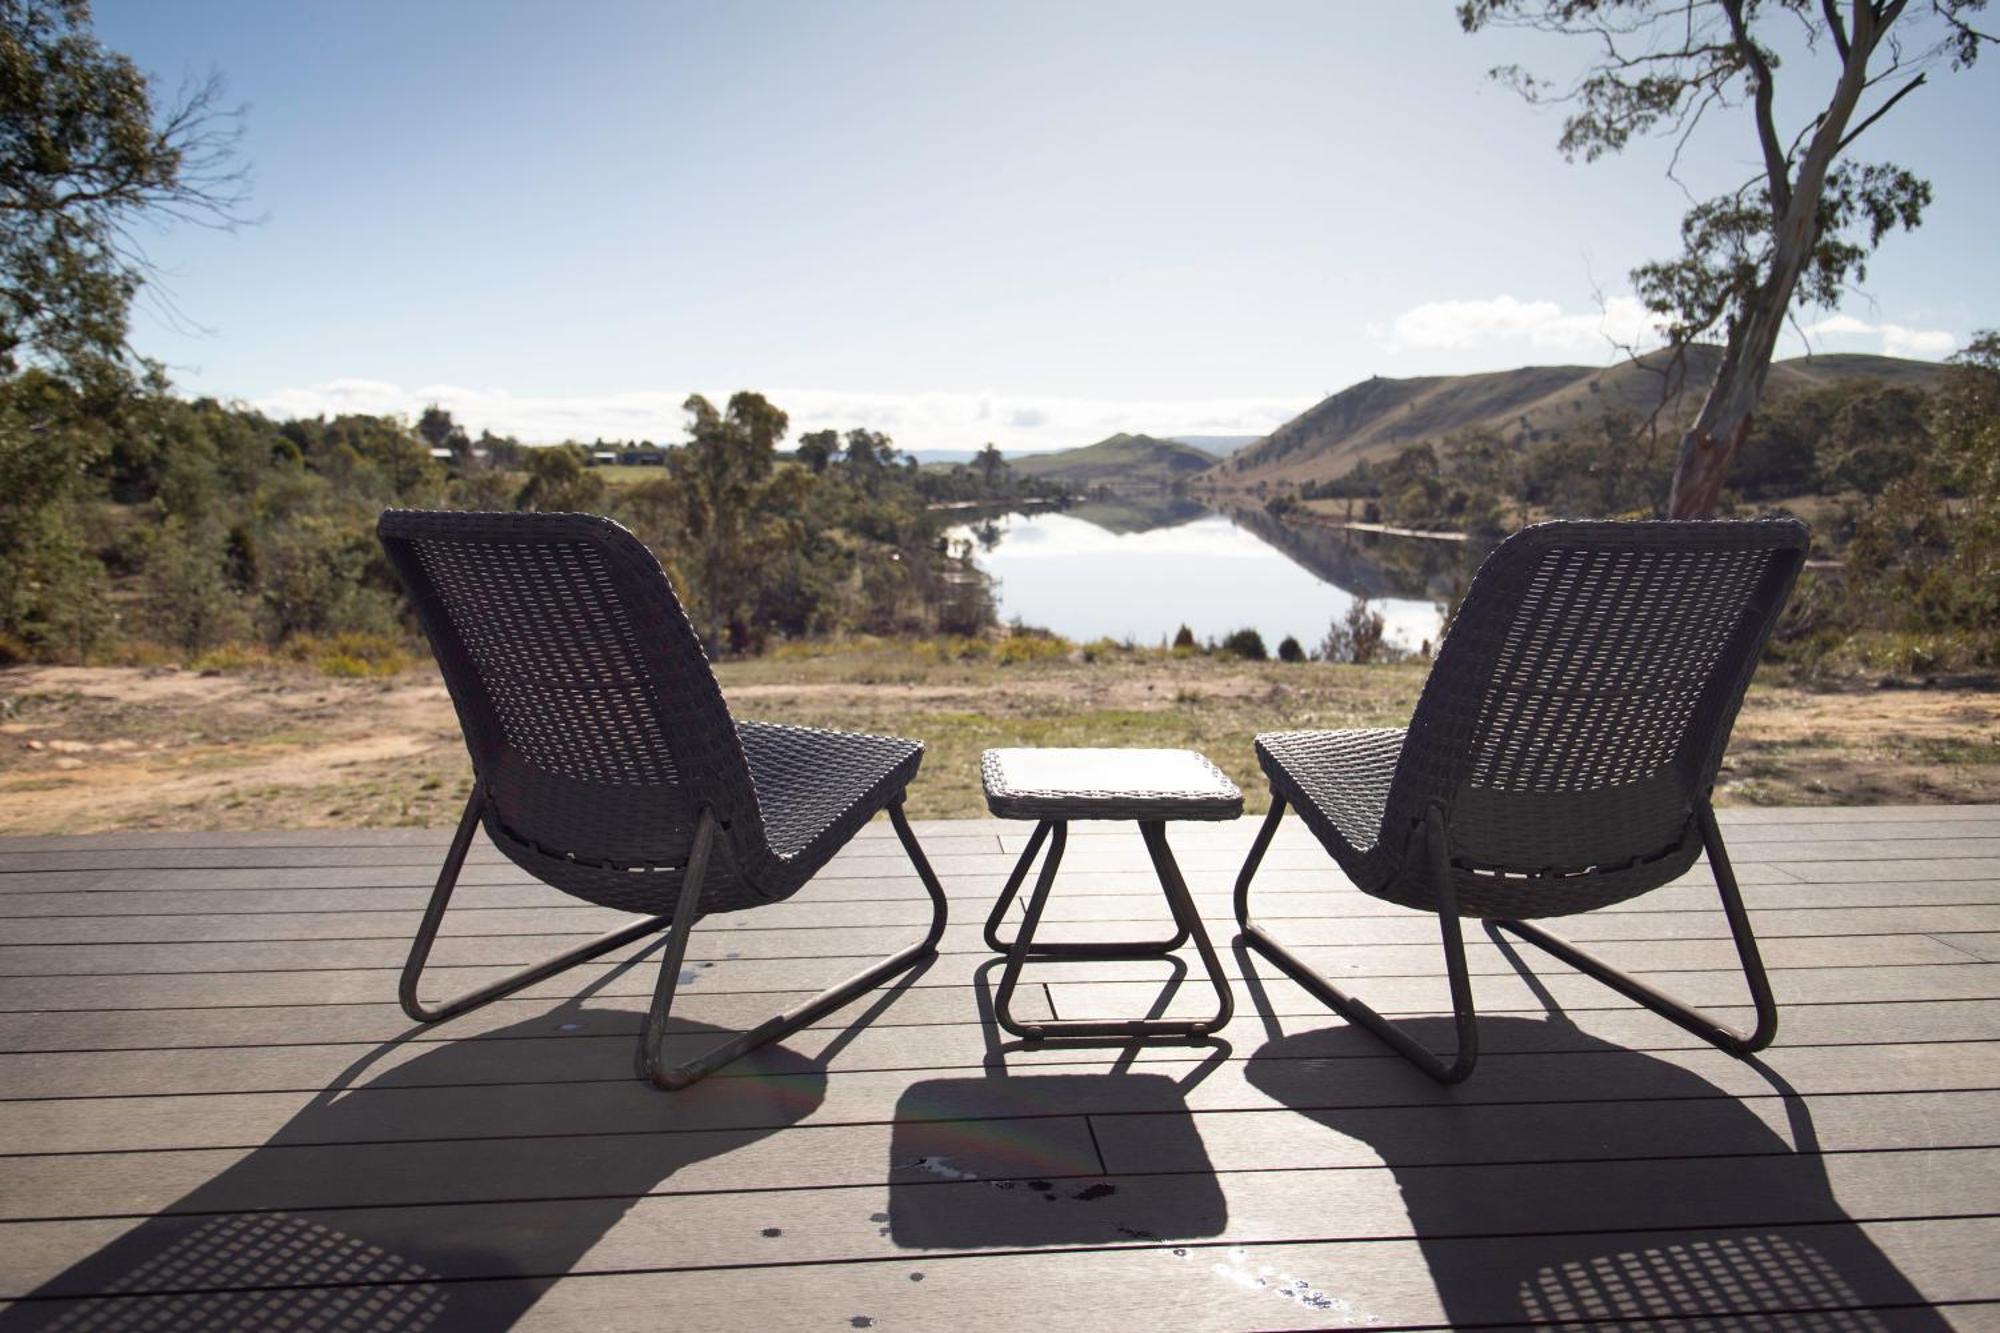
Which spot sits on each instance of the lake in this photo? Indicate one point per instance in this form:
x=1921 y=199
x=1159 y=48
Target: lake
x=1138 y=570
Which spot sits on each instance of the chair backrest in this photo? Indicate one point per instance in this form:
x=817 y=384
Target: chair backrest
x=596 y=728
x=1582 y=698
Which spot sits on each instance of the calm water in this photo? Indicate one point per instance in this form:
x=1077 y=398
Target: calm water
x=1124 y=573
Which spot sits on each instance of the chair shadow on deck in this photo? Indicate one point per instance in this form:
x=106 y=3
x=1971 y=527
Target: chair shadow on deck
x=1528 y=1209
x=336 y=1224
x=1011 y=1160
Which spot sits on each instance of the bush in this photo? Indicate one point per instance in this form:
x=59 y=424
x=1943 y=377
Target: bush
x=1247 y=644
x=353 y=653
x=1290 y=651
x=1029 y=645
x=1184 y=640
x=1357 y=636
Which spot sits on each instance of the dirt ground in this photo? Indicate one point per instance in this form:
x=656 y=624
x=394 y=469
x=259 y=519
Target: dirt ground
x=86 y=750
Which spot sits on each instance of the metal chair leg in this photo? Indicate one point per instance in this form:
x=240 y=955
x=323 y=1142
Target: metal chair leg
x=1352 y=1009
x=1069 y=949
x=1708 y=1029
x=420 y=947
x=675 y=1077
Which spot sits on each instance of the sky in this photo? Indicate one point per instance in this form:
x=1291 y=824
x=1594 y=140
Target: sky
x=1027 y=223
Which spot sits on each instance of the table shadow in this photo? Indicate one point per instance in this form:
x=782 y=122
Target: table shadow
x=1011 y=1162
x=330 y=1226
x=1011 y=1159
x=1516 y=1222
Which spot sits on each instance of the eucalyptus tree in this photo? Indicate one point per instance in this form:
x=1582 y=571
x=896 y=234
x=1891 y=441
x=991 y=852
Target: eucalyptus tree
x=729 y=491
x=87 y=153
x=1798 y=230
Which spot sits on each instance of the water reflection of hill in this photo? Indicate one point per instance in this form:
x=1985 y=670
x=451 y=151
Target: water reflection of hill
x=1371 y=564
x=1139 y=513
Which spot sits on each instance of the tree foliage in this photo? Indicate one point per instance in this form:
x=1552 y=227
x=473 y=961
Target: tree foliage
x=85 y=155
x=1801 y=228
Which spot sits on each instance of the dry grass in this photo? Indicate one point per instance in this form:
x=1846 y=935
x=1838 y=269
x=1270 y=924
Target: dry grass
x=270 y=744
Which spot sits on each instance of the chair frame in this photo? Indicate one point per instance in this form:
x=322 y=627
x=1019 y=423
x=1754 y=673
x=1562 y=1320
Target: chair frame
x=1521 y=618
x=678 y=925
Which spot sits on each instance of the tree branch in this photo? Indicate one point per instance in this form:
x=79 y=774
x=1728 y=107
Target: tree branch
x=1879 y=112
x=1776 y=168
x=1838 y=28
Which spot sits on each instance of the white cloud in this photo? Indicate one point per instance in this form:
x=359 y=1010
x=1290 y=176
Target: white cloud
x=1017 y=423
x=1541 y=325
x=1894 y=339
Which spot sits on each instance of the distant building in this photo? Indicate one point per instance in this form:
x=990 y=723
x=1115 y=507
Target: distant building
x=643 y=458
x=603 y=457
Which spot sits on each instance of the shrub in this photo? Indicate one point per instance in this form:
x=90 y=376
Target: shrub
x=353 y=653
x=1247 y=644
x=1357 y=636
x=1290 y=651
x=1029 y=645
x=1184 y=640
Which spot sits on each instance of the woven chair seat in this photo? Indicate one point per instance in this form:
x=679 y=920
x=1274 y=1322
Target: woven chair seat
x=813 y=784
x=1339 y=783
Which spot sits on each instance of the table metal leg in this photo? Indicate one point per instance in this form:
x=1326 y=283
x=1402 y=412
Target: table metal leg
x=1187 y=925
x=1062 y=948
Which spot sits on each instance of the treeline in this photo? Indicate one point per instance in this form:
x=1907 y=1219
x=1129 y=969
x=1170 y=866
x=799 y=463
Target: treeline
x=136 y=518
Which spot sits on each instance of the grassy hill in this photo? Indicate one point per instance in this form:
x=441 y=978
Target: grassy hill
x=1122 y=461
x=1376 y=418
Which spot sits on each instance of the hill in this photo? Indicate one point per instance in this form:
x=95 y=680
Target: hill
x=1220 y=445
x=1376 y=418
x=1121 y=461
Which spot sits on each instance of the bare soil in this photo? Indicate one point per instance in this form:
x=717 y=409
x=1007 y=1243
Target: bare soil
x=86 y=750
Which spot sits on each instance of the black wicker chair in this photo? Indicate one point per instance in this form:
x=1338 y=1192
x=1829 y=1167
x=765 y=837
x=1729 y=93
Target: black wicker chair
x=1561 y=757
x=606 y=763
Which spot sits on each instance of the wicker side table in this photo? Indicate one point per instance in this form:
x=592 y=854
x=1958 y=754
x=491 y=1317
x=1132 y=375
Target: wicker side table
x=1150 y=787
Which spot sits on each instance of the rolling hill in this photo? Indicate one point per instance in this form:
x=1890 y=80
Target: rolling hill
x=1121 y=461
x=1374 y=419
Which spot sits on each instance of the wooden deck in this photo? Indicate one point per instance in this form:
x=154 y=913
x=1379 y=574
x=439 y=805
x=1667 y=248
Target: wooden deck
x=213 y=1115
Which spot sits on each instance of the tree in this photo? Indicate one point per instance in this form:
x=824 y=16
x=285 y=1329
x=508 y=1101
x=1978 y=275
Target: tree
x=1803 y=226
x=725 y=473
x=559 y=483
x=867 y=456
x=84 y=157
x=817 y=448
x=439 y=431
x=1925 y=557
x=992 y=467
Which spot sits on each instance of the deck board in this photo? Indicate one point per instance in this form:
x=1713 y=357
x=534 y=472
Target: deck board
x=212 y=1111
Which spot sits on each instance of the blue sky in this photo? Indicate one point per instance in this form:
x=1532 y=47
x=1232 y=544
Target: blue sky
x=1024 y=222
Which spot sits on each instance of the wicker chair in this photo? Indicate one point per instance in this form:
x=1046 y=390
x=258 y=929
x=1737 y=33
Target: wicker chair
x=607 y=765
x=1561 y=757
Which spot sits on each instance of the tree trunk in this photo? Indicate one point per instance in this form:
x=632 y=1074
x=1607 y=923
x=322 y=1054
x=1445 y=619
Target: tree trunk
x=1710 y=444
